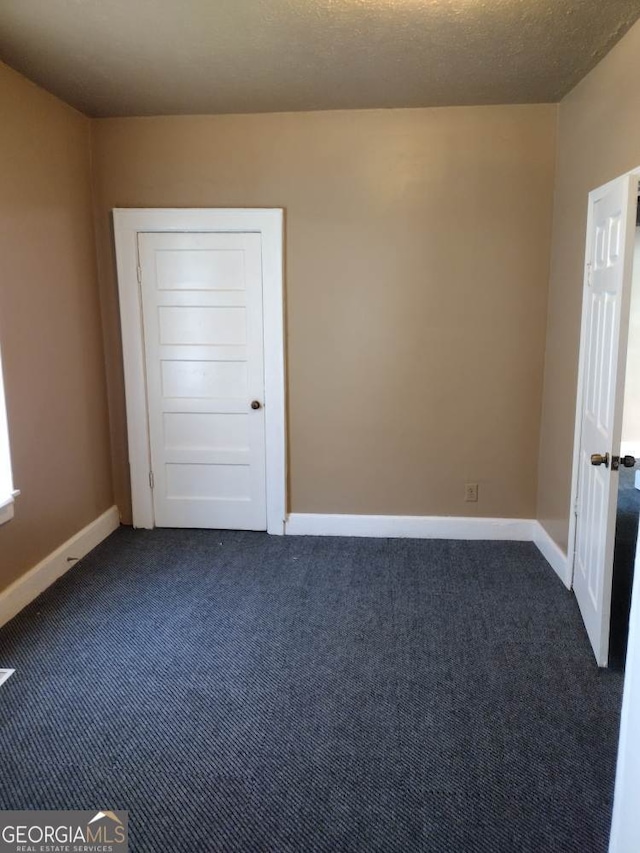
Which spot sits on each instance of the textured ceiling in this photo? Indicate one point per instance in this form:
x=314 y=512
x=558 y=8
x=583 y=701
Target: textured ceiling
x=158 y=57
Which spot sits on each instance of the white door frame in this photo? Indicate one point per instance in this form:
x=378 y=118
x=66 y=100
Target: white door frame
x=625 y=823
x=128 y=223
x=594 y=196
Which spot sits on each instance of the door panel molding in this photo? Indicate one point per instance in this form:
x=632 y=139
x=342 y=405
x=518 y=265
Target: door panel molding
x=128 y=223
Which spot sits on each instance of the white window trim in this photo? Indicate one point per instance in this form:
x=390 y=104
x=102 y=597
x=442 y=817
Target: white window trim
x=268 y=222
x=6 y=496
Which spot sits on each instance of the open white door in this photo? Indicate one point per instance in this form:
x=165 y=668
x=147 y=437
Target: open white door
x=605 y=321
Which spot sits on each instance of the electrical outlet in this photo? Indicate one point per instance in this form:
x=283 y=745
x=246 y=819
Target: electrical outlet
x=471 y=492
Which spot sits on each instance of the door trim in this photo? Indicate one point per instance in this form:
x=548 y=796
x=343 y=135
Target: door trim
x=594 y=196
x=269 y=222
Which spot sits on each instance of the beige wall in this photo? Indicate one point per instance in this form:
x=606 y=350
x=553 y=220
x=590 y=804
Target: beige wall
x=49 y=325
x=417 y=256
x=417 y=267
x=598 y=139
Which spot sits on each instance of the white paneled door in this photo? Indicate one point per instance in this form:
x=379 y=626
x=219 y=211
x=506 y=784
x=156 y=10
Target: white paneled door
x=203 y=345
x=603 y=356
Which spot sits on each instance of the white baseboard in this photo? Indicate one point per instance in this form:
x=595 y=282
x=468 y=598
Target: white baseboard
x=411 y=527
x=553 y=554
x=36 y=580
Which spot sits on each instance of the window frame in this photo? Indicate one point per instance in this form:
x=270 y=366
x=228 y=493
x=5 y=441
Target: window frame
x=7 y=498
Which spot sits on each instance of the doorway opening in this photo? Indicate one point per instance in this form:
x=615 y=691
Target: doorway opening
x=628 y=508
x=202 y=318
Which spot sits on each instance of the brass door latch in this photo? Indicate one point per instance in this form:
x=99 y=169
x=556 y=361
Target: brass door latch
x=616 y=461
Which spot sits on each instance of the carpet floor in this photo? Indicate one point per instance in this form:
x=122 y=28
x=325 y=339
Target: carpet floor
x=239 y=693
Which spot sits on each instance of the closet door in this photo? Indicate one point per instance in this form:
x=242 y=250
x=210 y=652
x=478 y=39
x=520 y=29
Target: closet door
x=203 y=342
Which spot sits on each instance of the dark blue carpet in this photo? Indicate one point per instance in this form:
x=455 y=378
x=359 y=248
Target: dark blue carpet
x=238 y=692
x=624 y=559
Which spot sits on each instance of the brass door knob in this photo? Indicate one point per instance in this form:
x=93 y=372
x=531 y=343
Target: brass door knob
x=628 y=461
x=599 y=459
x=256 y=404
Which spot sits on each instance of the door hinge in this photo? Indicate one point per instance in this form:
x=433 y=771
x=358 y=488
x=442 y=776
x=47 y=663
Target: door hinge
x=139 y=274
x=151 y=480
x=589 y=273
